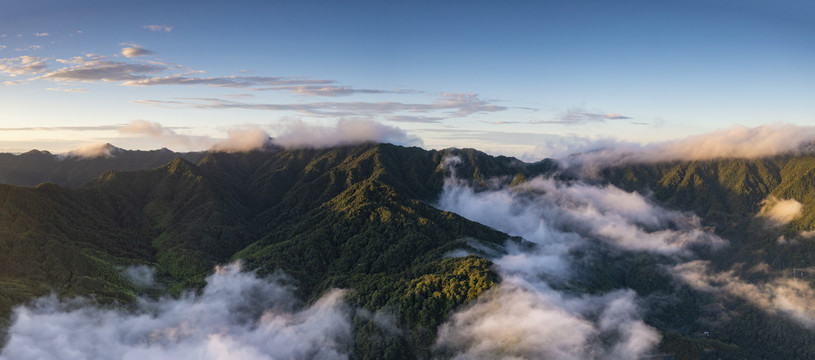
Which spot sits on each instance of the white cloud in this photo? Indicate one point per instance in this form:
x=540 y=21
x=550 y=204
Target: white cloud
x=526 y=317
x=94 y=150
x=298 y=134
x=67 y=90
x=142 y=276
x=244 y=140
x=578 y=115
x=792 y=297
x=224 y=81
x=735 y=142
x=449 y=104
x=238 y=139
x=103 y=70
x=41 y=34
x=135 y=51
x=558 y=214
x=163 y=28
x=314 y=90
x=167 y=135
x=780 y=212
x=23 y=65
x=237 y=316
x=512 y=322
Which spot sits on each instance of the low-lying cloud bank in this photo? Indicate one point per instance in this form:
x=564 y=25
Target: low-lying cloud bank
x=93 y=151
x=780 y=212
x=292 y=135
x=526 y=316
x=298 y=134
x=561 y=215
x=238 y=316
x=514 y=322
x=735 y=142
x=789 y=296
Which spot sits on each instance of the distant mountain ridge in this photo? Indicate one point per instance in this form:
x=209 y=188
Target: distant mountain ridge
x=73 y=170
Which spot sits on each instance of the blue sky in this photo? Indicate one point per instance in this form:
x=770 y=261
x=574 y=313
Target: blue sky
x=503 y=77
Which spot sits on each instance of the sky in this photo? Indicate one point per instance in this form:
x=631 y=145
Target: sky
x=504 y=77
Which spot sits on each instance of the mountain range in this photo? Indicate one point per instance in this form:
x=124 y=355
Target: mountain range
x=379 y=221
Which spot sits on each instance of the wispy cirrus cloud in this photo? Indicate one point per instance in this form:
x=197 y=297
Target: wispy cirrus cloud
x=225 y=81
x=572 y=116
x=105 y=70
x=334 y=90
x=449 y=104
x=414 y=119
x=164 y=28
x=93 y=68
x=67 y=90
x=63 y=128
x=578 y=115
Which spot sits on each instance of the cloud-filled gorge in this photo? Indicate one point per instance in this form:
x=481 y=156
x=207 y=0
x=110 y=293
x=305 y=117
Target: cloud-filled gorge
x=237 y=316
x=531 y=314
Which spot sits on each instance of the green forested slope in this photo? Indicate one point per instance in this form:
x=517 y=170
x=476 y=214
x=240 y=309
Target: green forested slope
x=728 y=195
x=353 y=217
x=360 y=218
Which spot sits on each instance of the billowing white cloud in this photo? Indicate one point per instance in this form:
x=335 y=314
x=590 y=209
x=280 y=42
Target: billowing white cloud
x=238 y=139
x=298 y=134
x=167 y=135
x=244 y=140
x=526 y=317
x=512 y=322
x=735 y=142
x=94 y=151
x=558 y=214
x=780 y=212
x=237 y=316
